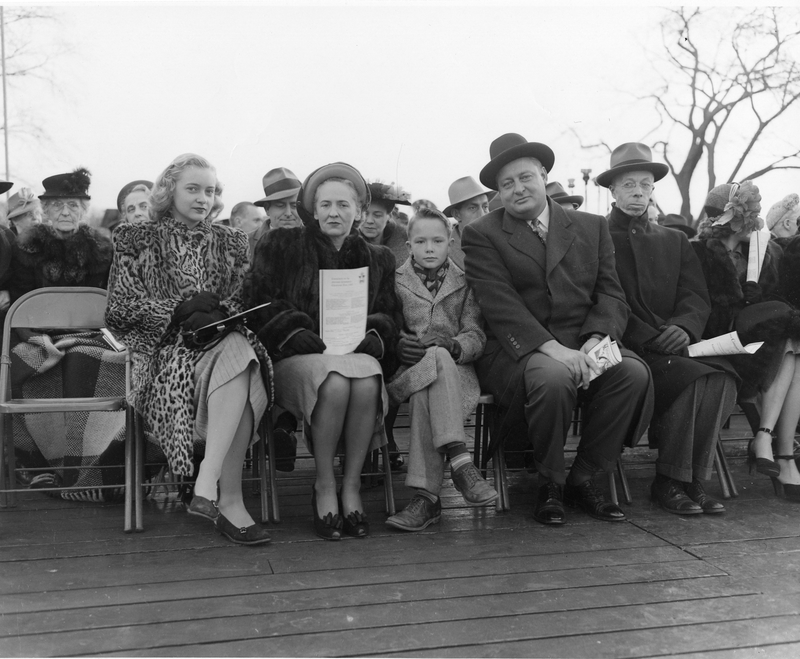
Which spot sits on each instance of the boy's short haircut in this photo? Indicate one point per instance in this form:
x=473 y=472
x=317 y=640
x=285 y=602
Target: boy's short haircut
x=429 y=214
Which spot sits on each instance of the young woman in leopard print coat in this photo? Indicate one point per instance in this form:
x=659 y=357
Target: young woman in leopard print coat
x=174 y=272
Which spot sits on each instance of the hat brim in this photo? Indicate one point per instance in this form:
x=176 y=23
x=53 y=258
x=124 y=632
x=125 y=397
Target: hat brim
x=275 y=196
x=5 y=186
x=448 y=212
x=690 y=232
x=54 y=195
x=543 y=153
x=657 y=169
x=568 y=199
x=305 y=198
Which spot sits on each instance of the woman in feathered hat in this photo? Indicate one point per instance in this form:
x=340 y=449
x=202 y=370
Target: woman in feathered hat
x=377 y=226
x=755 y=311
x=337 y=396
x=65 y=251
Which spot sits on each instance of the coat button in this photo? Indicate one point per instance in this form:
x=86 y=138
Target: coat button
x=633 y=230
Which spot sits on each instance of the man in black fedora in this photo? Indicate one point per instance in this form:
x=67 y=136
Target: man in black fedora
x=546 y=284
x=666 y=290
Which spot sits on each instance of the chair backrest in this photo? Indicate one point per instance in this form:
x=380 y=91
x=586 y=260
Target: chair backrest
x=59 y=308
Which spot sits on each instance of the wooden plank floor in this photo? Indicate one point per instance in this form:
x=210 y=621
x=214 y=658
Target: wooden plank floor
x=478 y=584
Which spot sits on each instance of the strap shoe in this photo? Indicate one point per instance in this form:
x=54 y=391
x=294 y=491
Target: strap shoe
x=590 y=499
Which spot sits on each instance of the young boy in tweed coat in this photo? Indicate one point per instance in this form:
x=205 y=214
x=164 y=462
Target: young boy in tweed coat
x=442 y=337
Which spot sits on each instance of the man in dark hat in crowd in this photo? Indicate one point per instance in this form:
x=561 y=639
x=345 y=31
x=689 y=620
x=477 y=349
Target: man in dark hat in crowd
x=468 y=202
x=666 y=290
x=281 y=187
x=558 y=194
x=679 y=222
x=546 y=284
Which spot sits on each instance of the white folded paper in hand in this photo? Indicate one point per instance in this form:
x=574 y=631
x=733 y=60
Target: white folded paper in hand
x=343 y=309
x=727 y=344
x=605 y=354
x=758 y=249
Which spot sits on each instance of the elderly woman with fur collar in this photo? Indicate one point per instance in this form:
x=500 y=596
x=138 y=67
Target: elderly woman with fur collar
x=64 y=251
x=338 y=396
x=755 y=311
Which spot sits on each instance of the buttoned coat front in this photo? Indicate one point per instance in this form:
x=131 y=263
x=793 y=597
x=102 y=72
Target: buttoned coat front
x=453 y=313
x=529 y=295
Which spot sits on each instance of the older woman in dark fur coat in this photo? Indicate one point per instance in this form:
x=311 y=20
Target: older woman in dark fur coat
x=756 y=311
x=338 y=396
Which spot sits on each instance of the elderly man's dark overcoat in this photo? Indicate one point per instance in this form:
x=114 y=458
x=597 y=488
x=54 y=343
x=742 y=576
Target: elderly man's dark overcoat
x=664 y=285
x=529 y=295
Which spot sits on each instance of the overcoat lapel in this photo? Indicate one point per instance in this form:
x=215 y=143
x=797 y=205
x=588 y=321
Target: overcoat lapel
x=521 y=238
x=559 y=236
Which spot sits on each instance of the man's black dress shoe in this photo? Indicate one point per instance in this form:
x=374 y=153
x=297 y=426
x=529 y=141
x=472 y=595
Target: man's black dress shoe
x=549 y=507
x=591 y=500
x=697 y=494
x=670 y=496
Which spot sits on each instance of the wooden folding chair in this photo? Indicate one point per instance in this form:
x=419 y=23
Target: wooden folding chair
x=78 y=308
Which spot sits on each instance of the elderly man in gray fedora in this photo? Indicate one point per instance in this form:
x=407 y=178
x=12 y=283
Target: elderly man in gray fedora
x=546 y=284
x=666 y=290
x=468 y=202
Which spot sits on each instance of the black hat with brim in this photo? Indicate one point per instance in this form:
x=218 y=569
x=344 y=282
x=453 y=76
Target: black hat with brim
x=510 y=147
x=5 y=186
x=74 y=185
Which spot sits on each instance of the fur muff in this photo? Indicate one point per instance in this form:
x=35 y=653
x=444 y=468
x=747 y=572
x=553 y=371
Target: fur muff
x=70 y=261
x=285 y=272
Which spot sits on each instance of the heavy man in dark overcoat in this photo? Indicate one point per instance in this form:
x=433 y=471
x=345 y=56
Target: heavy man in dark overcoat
x=666 y=290
x=549 y=294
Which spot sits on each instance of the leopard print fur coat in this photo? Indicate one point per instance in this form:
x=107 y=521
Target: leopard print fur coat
x=157 y=265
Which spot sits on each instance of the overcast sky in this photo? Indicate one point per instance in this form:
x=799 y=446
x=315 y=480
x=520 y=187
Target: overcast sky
x=412 y=94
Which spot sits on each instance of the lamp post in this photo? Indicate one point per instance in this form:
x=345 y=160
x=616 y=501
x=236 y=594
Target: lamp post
x=5 y=103
x=586 y=173
x=571 y=184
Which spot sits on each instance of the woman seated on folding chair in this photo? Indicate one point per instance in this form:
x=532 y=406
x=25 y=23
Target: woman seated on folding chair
x=756 y=311
x=172 y=274
x=65 y=251
x=338 y=396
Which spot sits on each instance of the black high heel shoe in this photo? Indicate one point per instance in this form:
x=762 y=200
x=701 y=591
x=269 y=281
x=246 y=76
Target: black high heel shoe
x=356 y=524
x=787 y=491
x=762 y=465
x=328 y=527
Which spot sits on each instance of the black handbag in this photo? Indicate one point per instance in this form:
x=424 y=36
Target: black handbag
x=208 y=336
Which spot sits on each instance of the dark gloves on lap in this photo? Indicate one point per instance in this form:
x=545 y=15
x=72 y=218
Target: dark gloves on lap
x=410 y=351
x=751 y=292
x=305 y=342
x=204 y=302
x=371 y=345
x=200 y=319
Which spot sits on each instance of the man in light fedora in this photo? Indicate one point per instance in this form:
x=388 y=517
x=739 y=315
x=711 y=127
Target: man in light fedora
x=666 y=290
x=280 y=199
x=558 y=194
x=545 y=280
x=468 y=202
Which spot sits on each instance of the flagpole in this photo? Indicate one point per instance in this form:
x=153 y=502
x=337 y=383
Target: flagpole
x=5 y=95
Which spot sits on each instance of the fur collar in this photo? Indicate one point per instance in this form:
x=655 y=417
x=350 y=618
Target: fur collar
x=70 y=259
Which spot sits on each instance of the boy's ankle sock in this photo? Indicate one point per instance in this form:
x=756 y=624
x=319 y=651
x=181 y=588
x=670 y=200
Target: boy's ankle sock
x=430 y=496
x=458 y=454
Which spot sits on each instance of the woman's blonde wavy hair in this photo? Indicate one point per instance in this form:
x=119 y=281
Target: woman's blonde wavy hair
x=163 y=193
